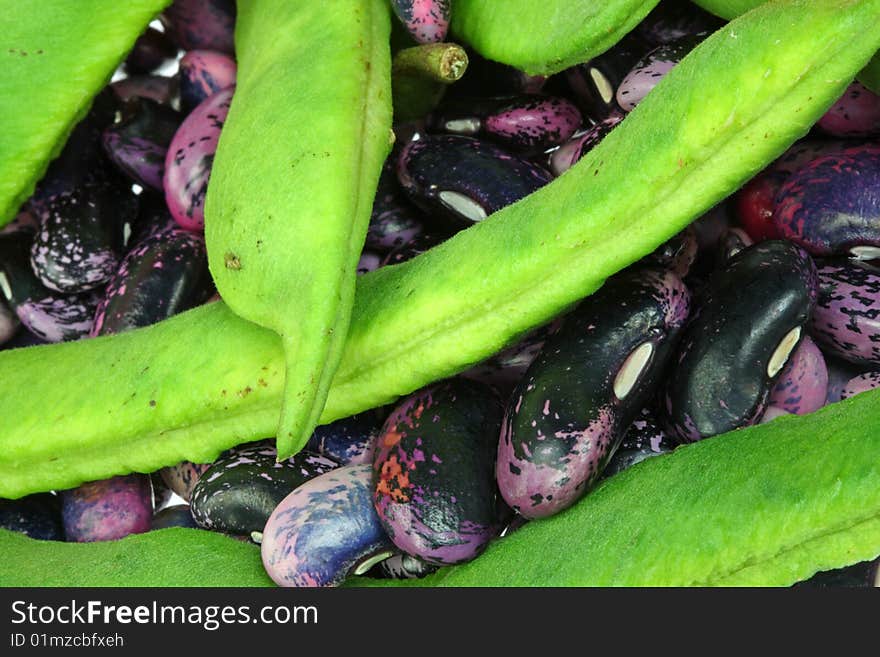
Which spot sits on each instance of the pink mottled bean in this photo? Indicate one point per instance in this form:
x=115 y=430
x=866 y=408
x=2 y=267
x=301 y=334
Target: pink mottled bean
x=190 y=157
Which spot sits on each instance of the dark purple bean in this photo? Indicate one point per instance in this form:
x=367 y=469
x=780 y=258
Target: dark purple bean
x=324 y=530
x=652 y=68
x=752 y=317
x=426 y=20
x=8 y=322
x=432 y=472
x=238 y=493
x=673 y=20
x=595 y=82
x=846 y=322
x=138 y=143
x=803 y=383
x=51 y=316
x=108 y=509
x=644 y=438
x=182 y=478
x=676 y=254
x=463 y=179
x=178 y=515
x=840 y=372
x=162 y=494
x=350 y=440
x=409 y=250
x=190 y=158
x=161 y=276
x=732 y=242
x=26 y=221
x=564 y=157
x=859 y=384
x=831 y=205
x=568 y=414
x=201 y=24
x=506 y=368
x=202 y=74
x=81 y=237
x=37 y=516
x=519 y=122
x=150 y=51
x=855 y=114
x=82 y=160
x=403 y=566
x=155 y=87
x=394 y=220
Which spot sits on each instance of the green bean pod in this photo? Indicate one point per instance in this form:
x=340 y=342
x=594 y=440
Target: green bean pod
x=729 y=9
x=542 y=38
x=763 y=506
x=56 y=56
x=189 y=387
x=291 y=188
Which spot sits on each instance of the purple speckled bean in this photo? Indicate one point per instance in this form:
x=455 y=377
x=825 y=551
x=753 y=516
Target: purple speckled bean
x=564 y=157
x=670 y=21
x=803 y=383
x=150 y=51
x=732 y=242
x=846 y=321
x=652 y=68
x=595 y=82
x=203 y=73
x=182 y=478
x=324 y=530
x=432 y=472
x=178 y=515
x=839 y=374
x=410 y=249
x=201 y=24
x=465 y=179
x=80 y=240
x=676 y=254
x=190 y=158
x=155 y=87
x=860 y=383
x=533 y=121
x=51 y=316
x=856 y=114
x=426 y=20
x=644 y=438
x=139 y=142
x=350 y=440
x=403 y=566
x=164 y=274
x=58 y=318
x=506 y=368
x=831 y=205
x=107 y=510
x=568 y=414
x=238 y=493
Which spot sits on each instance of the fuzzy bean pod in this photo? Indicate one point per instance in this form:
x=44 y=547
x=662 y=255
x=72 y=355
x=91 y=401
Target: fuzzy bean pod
x=546 y=37
x=312 y=172
x=64 y=53
x=687 y=146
